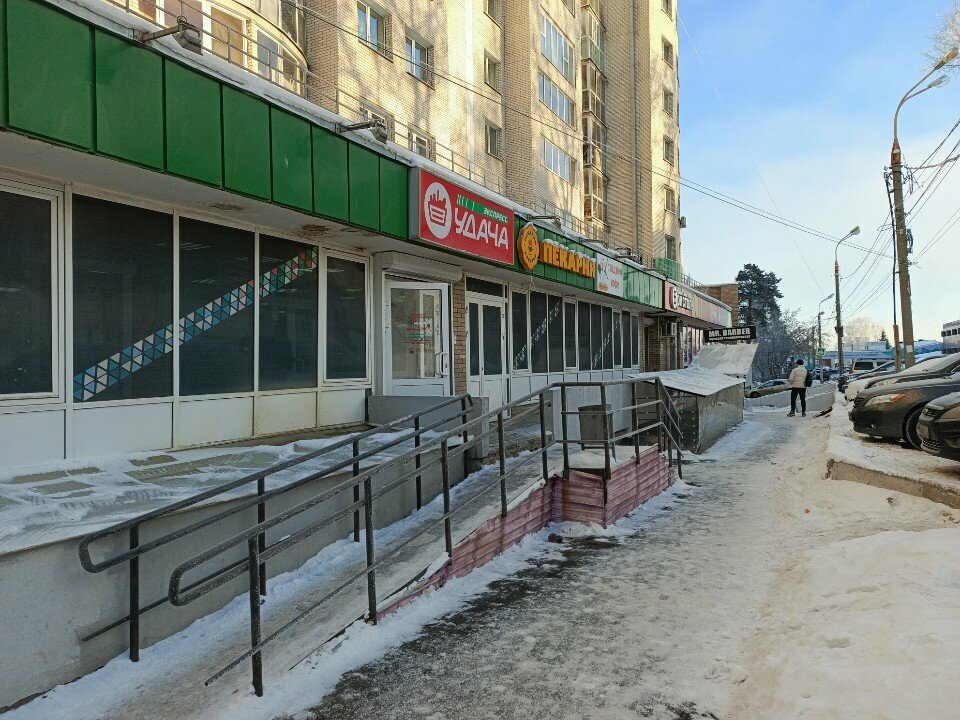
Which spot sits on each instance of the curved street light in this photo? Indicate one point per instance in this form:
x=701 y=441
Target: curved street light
x=836 y=280
x=899 y=223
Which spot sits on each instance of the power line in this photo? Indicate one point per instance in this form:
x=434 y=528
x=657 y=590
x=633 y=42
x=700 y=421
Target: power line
x=684 y=182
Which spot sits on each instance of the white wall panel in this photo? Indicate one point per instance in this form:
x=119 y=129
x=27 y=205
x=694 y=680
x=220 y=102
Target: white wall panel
x=209 y=421
x=122 y=429
x=31 y=437
x=340 y=407
x=285 y=412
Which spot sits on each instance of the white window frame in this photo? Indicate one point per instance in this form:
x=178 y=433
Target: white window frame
x=493 y=10
x=325 y=254
x=487 y=128
x=669 y=107
x=525 y=291
x=670 y=200
x=555 y=99
x=489 y=61
x=571 y=300
x=557 y=48
x=414 y=136
x=553 y=157
x=420 y=69
x=671 y=155
x=665 y=46
x=378 y=44
x=61 y=388
x=667 y=7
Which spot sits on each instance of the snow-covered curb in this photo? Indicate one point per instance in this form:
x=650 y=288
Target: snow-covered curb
x=857 y=458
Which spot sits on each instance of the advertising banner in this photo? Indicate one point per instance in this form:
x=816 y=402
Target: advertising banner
x=732 y=334
x=464 y=221
x=609 y=275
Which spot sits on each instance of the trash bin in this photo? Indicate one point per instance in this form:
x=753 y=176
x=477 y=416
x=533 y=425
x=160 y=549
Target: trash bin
x=591 y=425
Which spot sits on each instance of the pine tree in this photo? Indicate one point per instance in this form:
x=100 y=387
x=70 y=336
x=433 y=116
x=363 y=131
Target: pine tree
x=759 y=293
x=884 y=339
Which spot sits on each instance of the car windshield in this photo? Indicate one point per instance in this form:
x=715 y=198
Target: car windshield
x=940 y=364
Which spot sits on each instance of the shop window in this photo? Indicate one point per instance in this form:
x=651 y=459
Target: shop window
x=570 y=334
x=596 y=339
x=492 y=342
x=617 y=340
x=518 y=304
x=346 y=319
x=607 y=341
x=627 y=348
x=485 y=287
x=26 y=295
x=635 y=340
x=538 y=332
x=216 y=308
x=583 y=334
x=288 y=314
x=555 y=333
x=123 y=330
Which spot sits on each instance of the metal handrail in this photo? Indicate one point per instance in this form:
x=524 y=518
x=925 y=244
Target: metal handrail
x=132 y=525
x=468 y=433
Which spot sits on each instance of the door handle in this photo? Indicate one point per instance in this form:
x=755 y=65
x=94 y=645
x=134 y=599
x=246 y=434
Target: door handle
x=440 y=367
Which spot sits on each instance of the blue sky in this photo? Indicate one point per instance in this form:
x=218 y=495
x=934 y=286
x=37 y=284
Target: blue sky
x=812 y=86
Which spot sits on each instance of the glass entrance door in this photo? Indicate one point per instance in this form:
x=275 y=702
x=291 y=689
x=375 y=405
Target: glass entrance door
x=486 y=350
x=417 y=359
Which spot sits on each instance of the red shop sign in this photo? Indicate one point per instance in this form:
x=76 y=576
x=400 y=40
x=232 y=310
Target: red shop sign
x=461 y=220
x=677 y=299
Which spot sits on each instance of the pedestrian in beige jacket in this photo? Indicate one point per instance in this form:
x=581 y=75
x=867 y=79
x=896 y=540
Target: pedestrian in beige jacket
x=798 y=388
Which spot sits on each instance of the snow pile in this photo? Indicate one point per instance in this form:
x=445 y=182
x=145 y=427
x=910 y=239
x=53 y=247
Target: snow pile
x=730 y=359
x=871 y=630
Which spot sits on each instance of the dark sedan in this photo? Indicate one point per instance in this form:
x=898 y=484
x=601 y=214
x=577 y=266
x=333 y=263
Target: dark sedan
x=939 y=427
x=940 y=367
x=893 y=412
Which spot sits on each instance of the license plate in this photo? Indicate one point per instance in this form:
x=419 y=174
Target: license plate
x=923 y=431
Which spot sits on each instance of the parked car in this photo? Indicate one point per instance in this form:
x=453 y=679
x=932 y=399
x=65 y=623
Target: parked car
x=939 y=427
x=893 y=412
x=767 y=388
x=875 y=366
x=941 y=366
x=855 y=383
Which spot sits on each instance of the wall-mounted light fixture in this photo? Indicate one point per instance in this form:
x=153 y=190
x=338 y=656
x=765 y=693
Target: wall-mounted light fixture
x=377 y=127
x=185 y=33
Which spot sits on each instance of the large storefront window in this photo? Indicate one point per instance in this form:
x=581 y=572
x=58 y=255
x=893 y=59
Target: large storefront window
x=519 y=324
x=216 y=309
x=346 y=319
x=617 y=340
x=123 y=331
x=596 y=338
x=635 y=340
x=555 y=333
x=583 y=339
x=607 y=342
x=26 y=295
x=570 y=333
x=627 y=349
x=288 y=314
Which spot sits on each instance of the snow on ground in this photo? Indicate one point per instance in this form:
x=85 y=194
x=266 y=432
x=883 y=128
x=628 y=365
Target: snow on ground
x=885 y=456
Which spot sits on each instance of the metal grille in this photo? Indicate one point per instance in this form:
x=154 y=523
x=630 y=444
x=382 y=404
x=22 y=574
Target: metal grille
x=931 y=446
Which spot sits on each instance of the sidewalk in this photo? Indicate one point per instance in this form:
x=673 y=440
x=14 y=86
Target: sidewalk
x=889 y=465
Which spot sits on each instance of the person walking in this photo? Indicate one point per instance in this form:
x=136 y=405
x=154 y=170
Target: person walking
x=798 y=388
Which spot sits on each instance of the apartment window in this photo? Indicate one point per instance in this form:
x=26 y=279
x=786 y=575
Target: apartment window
x=669 y=150
x=494 y=140
x=421 y=144
x=667 y=52
x=667 y=6
x=492 y=8
x=668 y=102
x=419 y=60
x=491 y=72
x=671 y=249
x=551 y=96
x=670 y=200
x=292 y=21
x=556 y=160
x=371 y=27
x=227 y=34
x=557 y=49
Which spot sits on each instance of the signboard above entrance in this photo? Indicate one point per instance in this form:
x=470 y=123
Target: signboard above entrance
x=732 y=334
x=531 y=252
x=461 y=220
x=609 y=275
x=678 y=299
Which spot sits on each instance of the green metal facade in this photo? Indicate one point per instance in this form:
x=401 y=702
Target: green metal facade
x=80 y=86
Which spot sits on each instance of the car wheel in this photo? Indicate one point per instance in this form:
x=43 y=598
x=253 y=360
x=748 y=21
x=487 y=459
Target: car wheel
x=754 y=395
x=910 y=433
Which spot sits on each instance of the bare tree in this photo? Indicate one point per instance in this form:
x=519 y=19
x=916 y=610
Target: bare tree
x=946 y=36
x=858 y=331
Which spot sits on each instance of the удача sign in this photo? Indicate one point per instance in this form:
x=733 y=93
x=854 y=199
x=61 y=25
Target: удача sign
x=462 y=220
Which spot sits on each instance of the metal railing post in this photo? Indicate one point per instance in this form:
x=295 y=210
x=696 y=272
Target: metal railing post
x=635 y=420
x=262 y=537
x=502 y=457
x=543 y=436
x=563 y=427
x=463 y=419
x=134 y=598
x=416 y=460
x=606 y=431
x=445 y=469
x=368 y=527
x=660 y=410
x=256 y=660
x=356 y=492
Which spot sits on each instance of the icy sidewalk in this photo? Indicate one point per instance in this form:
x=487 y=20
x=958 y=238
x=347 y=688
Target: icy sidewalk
x=886 y=464
x=168 y=680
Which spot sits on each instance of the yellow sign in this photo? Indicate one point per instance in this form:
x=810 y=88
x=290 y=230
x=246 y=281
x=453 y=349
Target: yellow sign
x=528 y=247
x=532 y=252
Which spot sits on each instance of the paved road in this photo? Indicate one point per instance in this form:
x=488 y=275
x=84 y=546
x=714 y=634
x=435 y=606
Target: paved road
x=652 y=623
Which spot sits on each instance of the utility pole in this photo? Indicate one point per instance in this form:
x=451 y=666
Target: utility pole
x=899 y=223
x=836 y=292
x=820 y=342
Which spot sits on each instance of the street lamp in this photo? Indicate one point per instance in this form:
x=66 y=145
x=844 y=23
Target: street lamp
x=899 y=222
x=820 y=332
x=836 y=280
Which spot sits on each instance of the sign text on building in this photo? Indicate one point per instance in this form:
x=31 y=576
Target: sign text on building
x=609 y=275
x=531 y=252
x=462 y=220
x=678 y=300
x=732 y=334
